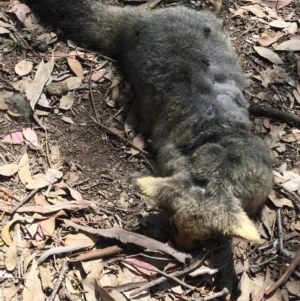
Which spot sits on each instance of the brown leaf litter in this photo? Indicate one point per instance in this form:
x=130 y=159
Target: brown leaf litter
x=74 y=228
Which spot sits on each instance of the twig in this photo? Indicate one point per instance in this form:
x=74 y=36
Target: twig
x=264 y=262
x=292 y=193
x=98 y=253
x=9 y=194
x=6 y=81
x=108 y=130
x=260 y=294
x=268 y=245
x=186 y=270
x=285 y=276
x=61 y=277
x=81 y=182
x=274 y=88
x=280 y=232
x=59 y=250
x=25 y=200
x=170 y=276
x=280 y=236
x=222 y=293
x=91 y=91
x=47 y=149
x=250 y=28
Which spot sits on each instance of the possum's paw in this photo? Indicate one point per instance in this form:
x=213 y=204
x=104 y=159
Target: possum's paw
x=214 y=5
x=134 y=178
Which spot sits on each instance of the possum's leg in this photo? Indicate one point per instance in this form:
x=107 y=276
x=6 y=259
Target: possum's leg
x=170 y=160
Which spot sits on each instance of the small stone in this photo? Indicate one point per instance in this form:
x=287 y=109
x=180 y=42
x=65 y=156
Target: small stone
x=57 y=89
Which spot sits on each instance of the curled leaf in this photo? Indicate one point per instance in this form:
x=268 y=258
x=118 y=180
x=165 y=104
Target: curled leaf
x=23 y=67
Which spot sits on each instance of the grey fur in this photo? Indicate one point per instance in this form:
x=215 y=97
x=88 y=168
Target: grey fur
x=188 y=88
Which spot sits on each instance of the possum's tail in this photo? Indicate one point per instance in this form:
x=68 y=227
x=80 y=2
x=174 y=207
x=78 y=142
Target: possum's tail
x=90 y=23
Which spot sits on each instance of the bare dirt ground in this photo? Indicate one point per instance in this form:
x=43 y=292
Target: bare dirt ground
x=76 y=172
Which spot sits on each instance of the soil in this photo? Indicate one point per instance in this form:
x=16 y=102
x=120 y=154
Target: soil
x=99 y=165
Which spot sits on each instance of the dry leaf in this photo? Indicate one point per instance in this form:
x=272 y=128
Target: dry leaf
x=279 y=24
x=44 y=102
x=67 y=101
x=3 y=30
x=74 y=64
x=140 y=262
x=8 y=170
x=48 y=226
x=255 y=9
x=55 y=157
x=20 y=10
x=296 y=95
x=277 y=3
x=76 y=195
x=3 y=104
x=138 y=141
x=292 y=181
x=119 y=296
x=275 y=75
x=73 y=82
x=268 y=54
x=291 y=45
x=14 y=138
x=43 y=180
x=98 y=75
x=46 y=277
x=30 y=135
x=94 y=268
x=239 y=12
x=80 y=238
x=37 y=181
x=293 y=287
x=46 y=209
x=292 y=29
x=295 y=226
x=34 y=90
x=67 y=120
x=291 y=137
x=265 y=40
x=24 y=170
x=23 y=67
x=129 y=237
x=11 y=257
x=280 y=202
x=33 y=287
x=5 y=235
x=92 y=289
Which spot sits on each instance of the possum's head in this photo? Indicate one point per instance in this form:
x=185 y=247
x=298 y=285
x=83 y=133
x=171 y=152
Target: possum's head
x=194 y=214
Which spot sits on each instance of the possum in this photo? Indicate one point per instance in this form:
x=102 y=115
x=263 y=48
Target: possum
x=212 y=172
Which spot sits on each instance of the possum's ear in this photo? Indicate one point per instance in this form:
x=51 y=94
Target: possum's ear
x=151 y=186
x=244 y=227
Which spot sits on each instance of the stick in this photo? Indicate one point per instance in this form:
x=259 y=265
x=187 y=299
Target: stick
x=285 y=276
x=61 y=277
x=186 y=270
x=25 y=200
x=160 y=272
x=59 y=250
x=9 y=194
x=289 y=118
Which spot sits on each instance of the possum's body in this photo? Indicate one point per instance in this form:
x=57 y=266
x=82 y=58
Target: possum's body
x=187 y=87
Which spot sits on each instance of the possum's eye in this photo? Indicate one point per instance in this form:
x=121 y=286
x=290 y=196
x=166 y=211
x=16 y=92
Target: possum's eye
x=207 y=31
x=205 y=62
